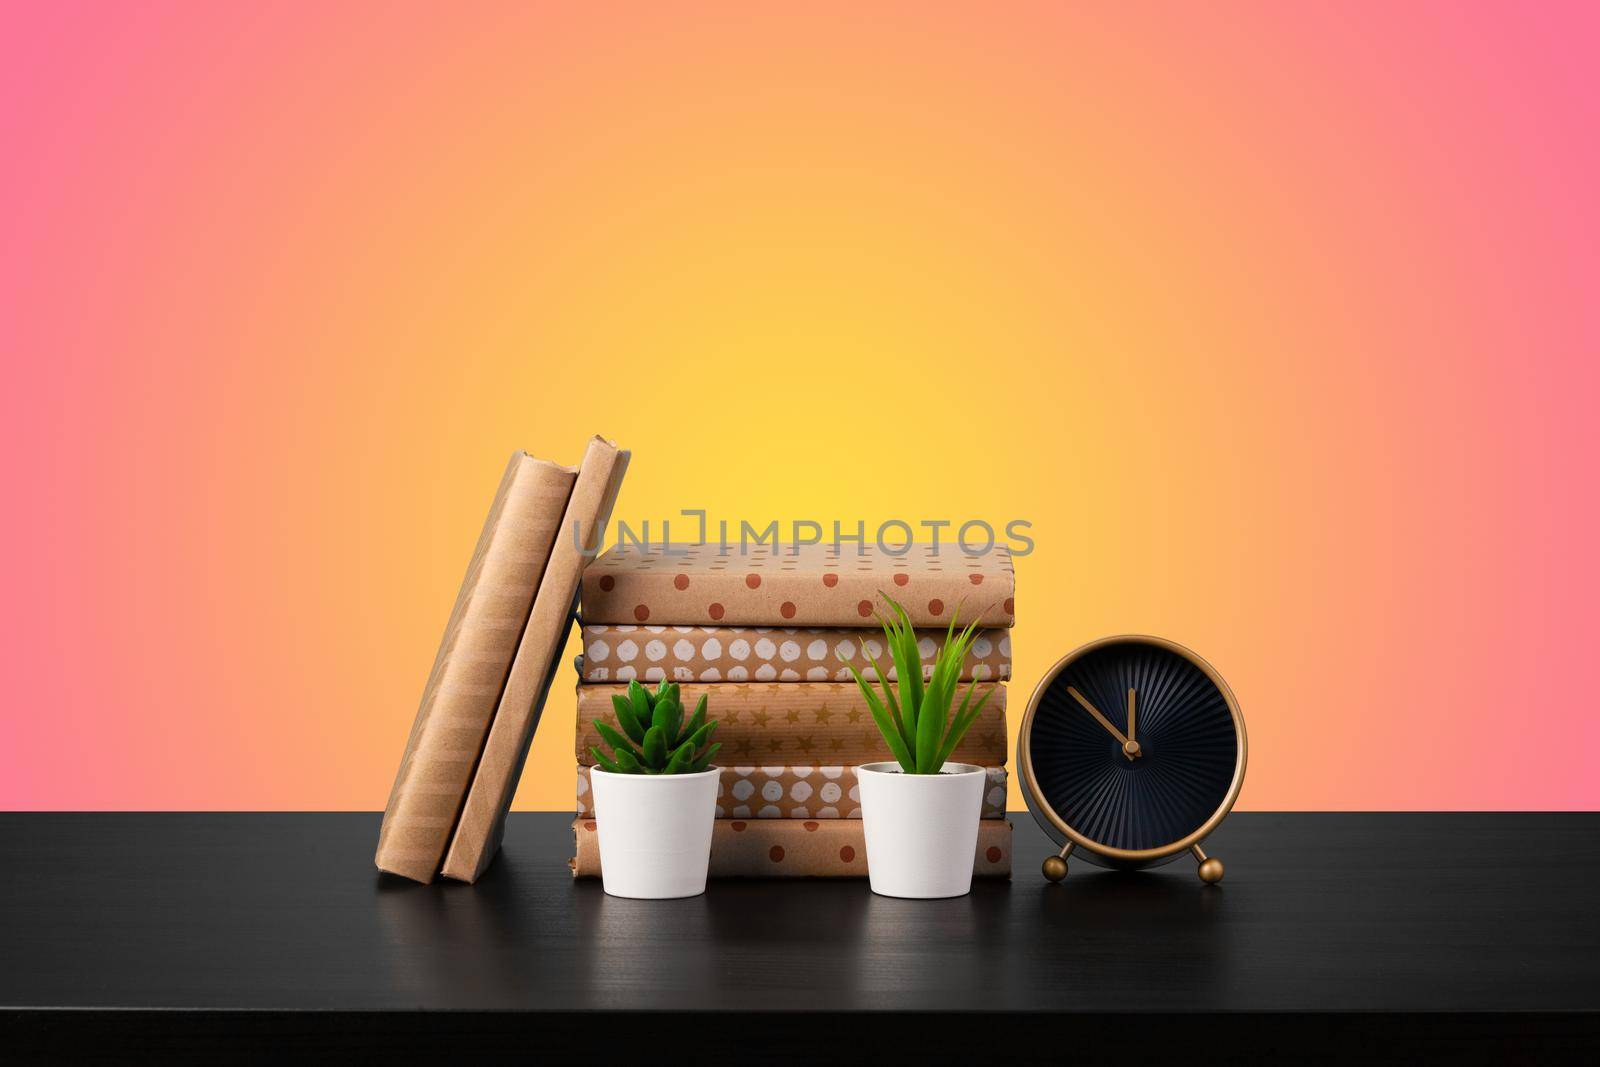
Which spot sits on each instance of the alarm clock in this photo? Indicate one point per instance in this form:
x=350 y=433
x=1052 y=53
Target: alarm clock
x=1132 y=750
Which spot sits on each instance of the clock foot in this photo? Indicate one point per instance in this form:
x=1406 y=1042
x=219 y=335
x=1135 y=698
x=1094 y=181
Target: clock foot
x=1055 y=867
x=1210 y=867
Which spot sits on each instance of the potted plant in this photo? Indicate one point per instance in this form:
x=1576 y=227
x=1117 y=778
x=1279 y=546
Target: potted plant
x=920 y=814
x=655 y=795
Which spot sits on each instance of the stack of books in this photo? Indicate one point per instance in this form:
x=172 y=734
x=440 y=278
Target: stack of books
x=768 y=632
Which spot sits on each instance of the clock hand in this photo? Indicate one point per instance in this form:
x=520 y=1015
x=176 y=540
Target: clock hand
x=1128 y=751
x=1131 y=747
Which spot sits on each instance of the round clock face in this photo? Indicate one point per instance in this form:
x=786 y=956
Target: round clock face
x=1136 y=746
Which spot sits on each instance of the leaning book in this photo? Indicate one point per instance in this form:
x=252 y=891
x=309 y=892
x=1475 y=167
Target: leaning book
x=469 y=672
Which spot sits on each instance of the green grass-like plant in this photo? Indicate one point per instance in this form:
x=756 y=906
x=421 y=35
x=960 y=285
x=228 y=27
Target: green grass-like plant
x=917 y=723
x=658 y=741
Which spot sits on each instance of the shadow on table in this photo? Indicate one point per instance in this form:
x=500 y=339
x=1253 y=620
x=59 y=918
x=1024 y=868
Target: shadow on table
x=1111 y=900
x=515 y=940
x=486 y=945
x=1167 y=924
x=818 y=944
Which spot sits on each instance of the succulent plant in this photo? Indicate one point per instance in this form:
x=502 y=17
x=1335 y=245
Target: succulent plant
x=917 y=725
x=658 y=741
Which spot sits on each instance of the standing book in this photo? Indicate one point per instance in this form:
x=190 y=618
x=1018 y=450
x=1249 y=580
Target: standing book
x=482 y=822
x=469 y=672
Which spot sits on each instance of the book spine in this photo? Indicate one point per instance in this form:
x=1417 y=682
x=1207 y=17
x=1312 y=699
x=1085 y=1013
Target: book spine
x=797 y=848
x=630 y=588
x=618 y=653
x=582 y=529
x=475 y=653
x=798 y=723
x=800 y=793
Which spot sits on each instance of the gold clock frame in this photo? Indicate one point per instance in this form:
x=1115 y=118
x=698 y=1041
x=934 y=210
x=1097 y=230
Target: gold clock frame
x=1055 y=867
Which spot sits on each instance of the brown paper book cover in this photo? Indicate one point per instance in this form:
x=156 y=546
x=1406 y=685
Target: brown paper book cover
x=798 y=723
x=463 y=689
x=797 y=848
x=800 y=793
x=796 y=585
x=619 y=652
x=482 y=822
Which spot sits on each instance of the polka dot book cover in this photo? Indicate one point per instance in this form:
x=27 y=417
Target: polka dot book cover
x=796 y=848
x=765 y=654
x=829 y=584
x=807 y=792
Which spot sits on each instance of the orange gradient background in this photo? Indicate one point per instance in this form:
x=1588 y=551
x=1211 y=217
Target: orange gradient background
x=1277 y=321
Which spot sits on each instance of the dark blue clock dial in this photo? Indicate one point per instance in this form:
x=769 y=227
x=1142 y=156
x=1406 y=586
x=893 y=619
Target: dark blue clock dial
x=1188 y=746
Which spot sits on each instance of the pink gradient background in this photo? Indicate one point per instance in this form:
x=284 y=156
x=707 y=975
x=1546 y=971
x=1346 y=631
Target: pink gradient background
x=1283 y=316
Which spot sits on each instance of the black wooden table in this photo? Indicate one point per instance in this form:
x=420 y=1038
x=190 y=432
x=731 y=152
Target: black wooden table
x=1378 y=936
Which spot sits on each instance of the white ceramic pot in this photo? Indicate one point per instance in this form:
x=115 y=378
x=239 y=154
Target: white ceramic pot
x=921 y=829
x=655 y=832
